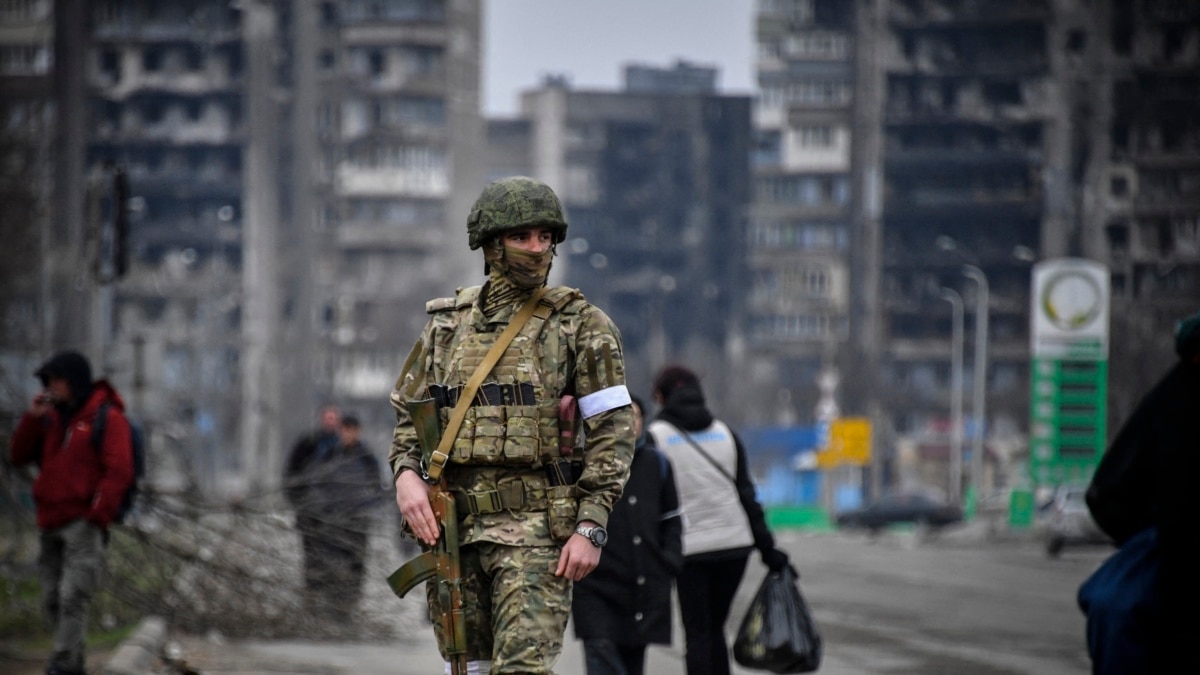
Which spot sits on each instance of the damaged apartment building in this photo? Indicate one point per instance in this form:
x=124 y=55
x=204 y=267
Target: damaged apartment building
x=797 y=235
x=1007 y=133
x=655 y=180
x=289 y=167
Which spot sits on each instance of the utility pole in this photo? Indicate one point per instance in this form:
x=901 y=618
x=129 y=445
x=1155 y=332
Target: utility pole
x=259 y=434
x=956 y=378
x=69 y=268
x=979 y=381
x=305 y=379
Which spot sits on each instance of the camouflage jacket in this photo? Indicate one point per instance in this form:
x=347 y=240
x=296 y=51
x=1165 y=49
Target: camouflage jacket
x=576 y=350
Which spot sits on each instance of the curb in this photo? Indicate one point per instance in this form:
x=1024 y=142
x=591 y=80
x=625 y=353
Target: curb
x=137 y=652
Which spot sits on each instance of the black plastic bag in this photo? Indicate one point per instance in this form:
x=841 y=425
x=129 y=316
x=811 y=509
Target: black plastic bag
x=778 y=633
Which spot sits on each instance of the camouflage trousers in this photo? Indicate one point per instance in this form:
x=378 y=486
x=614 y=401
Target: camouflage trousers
x=516 y=609
x=70 y=567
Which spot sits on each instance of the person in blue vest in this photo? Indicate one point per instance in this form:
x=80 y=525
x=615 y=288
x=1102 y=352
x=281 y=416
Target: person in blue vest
x=723 y=521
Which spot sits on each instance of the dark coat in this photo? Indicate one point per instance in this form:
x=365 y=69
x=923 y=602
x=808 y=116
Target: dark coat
x=627 y=598
x=332 y=483
x=76 y=479
x=1147 y=478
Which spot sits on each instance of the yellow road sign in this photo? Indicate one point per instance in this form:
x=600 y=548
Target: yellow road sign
x=849 y=443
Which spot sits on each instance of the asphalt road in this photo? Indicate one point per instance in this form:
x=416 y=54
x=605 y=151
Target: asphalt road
x=958 y=603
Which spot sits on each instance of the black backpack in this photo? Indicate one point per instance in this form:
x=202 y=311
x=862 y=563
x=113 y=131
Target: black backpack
x=137 y=439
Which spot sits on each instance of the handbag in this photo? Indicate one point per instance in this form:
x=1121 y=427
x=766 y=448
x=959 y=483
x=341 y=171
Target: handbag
x=1121 y=603
x=778 y=633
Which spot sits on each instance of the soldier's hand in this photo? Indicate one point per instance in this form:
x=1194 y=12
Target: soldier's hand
x=412 y=496
x=578 y=558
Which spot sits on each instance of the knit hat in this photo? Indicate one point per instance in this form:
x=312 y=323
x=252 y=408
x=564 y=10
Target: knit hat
x=1187 y=338
x=72 y=367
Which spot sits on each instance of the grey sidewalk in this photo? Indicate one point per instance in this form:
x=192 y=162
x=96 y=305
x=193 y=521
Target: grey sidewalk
x=415 y=654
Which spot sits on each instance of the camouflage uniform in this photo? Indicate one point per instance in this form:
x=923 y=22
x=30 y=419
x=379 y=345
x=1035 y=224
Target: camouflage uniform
x=517 y=608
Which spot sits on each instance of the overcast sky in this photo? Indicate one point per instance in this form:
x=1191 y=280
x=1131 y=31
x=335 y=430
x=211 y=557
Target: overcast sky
x=591 y=40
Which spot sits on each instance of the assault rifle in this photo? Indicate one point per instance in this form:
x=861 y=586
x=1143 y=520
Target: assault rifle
x=441 y=563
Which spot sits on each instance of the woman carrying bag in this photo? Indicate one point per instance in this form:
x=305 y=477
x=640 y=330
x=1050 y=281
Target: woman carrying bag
x=723 y=520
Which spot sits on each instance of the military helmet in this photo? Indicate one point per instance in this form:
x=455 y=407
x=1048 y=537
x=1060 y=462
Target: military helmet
x=512 y=203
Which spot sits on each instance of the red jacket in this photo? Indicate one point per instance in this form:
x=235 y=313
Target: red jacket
x=77 y=480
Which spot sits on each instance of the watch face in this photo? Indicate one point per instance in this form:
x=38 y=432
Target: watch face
x=599 y=536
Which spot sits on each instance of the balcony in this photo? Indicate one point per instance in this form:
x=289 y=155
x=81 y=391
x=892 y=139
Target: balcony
x=357 y=181
x=967 y=14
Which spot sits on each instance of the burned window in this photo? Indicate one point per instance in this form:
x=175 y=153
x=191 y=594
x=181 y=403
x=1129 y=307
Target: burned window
x=1118 y=186
x=152 y=111
x=1120 y=138
x=152 y=59
x=1076 y=41
x=193 y=58
x=110 y=64
x=193 y=108
x=328 y=14
x=376 y=62
x=1002 y=92
x=1118 y=237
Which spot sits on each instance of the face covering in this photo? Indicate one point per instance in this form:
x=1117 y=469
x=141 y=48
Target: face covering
x=513 y=274
x=524 y=269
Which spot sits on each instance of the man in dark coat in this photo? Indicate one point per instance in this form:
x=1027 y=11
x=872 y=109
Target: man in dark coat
x=1144 y=488
x=625 y=603
x=334 y=484
x=78 y=492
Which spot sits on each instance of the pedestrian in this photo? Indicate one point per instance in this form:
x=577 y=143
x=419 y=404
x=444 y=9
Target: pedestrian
x=333 y=482
x=625 y=603
x=1142 y=495
x=77 y=493
x=723 y=519
x=352 y=491
x=520 y=548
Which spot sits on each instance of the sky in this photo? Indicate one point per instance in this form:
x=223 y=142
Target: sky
x=590 y=41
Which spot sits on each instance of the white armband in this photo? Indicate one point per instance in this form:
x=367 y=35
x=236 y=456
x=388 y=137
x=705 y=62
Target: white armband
x=604 y=400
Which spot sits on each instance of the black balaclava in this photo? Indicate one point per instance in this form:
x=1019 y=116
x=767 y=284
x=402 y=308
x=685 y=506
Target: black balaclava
x=75 y=369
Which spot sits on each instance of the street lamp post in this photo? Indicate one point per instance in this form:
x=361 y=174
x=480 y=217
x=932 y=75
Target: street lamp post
x=979 y=382
x=956 y=377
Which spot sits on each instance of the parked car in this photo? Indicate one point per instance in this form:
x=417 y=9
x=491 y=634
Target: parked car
x=916 y=508
x=1065 y=520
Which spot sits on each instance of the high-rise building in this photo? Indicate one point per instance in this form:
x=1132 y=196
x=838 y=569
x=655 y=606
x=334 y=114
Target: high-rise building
x=996 y=134
x=27 y=132
x=297 y=175
x=655 y=181
x=394 y=136
x=798 y=235
x=1142 y=204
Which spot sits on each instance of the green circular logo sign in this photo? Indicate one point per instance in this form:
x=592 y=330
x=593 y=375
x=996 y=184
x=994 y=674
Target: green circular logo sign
x=1071 y=299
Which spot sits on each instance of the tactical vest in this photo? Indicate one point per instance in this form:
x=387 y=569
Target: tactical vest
x=513 y=420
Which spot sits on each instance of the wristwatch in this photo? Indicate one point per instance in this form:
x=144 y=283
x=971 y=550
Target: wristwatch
x=595 y=534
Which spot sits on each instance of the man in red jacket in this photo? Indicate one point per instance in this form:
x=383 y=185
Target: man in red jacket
x=78 y=492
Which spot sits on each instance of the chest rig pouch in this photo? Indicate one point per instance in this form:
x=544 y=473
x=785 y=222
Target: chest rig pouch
x=513 y=419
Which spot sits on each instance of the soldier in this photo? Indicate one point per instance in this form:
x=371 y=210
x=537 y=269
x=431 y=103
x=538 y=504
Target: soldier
x=530 y=519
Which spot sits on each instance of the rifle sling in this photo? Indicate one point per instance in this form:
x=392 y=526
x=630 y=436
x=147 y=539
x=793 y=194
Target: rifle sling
x=439 y=457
